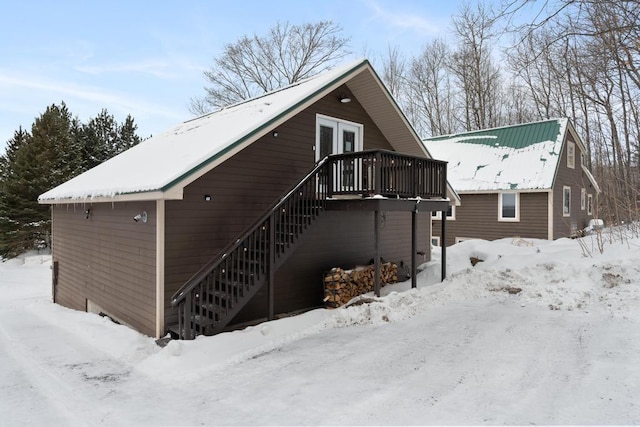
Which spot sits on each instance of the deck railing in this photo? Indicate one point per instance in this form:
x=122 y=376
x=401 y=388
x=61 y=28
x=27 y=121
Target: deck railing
x=385 y=173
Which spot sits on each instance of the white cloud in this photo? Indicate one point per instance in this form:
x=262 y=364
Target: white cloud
x=66 y=90
x=26 y=95
x=407 y=21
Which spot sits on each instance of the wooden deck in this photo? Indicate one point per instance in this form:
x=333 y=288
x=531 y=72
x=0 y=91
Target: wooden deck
x=376 y=180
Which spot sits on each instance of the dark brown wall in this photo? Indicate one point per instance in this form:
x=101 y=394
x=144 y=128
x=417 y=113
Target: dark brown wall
x=245 y=186
x=576 y=179
x=478 y=218
x=338 y=239
x=108 y=259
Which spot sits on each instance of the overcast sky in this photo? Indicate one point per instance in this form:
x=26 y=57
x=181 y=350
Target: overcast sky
x=146 y=58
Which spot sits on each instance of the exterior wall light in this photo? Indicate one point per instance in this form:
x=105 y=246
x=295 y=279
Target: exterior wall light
x=141 y=217
x=345 y=99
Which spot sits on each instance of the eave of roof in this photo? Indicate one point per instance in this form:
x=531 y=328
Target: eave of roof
x=366 y=86
x=77 y=189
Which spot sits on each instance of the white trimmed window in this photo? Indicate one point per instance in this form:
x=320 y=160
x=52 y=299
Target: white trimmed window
x=571 y=155
x=451 y=214
x=435 y=241
x=509 y=207
x=583 y=199
x=590 y=204
x=566 y=201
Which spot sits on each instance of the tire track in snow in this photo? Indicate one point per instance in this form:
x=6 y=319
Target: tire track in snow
x=54 y=366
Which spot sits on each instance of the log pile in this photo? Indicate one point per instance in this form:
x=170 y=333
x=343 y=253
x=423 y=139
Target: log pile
x=340 y=286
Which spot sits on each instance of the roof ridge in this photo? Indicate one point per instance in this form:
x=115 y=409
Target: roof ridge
x=280 y=89
x=453 y=135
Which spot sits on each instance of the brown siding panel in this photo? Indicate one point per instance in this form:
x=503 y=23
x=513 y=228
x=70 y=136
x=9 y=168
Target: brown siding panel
x=477 y=218
x=338 y=239
x=245 y=186
x=108 y=259
x=576 y=179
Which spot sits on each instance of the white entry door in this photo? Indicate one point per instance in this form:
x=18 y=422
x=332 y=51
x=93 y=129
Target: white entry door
x=338 y=137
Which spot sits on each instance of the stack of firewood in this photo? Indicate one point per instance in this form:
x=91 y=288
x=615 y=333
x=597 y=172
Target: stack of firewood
x=340 y=286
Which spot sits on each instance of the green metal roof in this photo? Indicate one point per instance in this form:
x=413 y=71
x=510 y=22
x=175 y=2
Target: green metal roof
x=516 y=136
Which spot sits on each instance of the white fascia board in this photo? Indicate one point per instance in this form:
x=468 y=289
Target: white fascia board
x=172 y=194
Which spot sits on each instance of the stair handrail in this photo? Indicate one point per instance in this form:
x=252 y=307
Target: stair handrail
x=190 y=284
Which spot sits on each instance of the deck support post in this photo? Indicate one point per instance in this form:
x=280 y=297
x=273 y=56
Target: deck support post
x=377 y=174
x=376 y=260
x=272 y=267
x=443 y=247
x=188 y=321
x=414 y=247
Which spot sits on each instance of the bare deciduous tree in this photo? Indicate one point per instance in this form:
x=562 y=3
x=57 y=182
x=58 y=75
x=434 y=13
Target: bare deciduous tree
x=430 y=89
x=473 y=66
x=393 y=71
x=581 y=58
x=258 y=64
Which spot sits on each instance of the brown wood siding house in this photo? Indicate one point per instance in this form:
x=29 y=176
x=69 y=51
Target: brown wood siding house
x=536 y=167
x=89 y=240
x=187 y=217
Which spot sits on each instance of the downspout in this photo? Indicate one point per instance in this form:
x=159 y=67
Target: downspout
x=160 y=240
x=55 y=266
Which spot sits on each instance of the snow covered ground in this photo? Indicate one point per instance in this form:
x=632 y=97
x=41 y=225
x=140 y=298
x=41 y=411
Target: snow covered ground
x=471 y=350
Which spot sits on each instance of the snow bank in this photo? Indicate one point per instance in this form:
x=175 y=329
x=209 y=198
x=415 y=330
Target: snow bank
x=553 y=275
x=535 y=332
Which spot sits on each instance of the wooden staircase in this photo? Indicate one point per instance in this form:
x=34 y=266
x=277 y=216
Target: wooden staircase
x=208 y=302
x=213 y=296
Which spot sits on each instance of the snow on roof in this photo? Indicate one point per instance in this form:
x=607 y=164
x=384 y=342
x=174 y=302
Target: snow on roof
x=522 y=157
x=158 y=163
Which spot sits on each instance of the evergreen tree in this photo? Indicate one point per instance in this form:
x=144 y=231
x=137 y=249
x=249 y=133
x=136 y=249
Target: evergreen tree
x=8 y=196
x=97 y=139
x=127 y=136
x=45 y=158
x=58 y=148
x=102 y=138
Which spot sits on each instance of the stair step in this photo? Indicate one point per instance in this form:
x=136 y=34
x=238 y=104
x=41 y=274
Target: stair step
x=219 y=297
x=202 y=323
x=174 y=331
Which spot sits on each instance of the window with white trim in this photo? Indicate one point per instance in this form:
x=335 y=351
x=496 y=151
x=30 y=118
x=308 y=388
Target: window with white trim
x=583 y=199
x=571 y=154
x=509 y=207
x=590 y=204
x=451 y=214
x=566 y=201
x=435 y=241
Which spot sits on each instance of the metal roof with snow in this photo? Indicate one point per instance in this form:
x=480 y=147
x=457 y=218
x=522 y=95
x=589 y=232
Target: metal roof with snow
x=519 y=157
